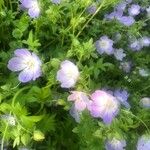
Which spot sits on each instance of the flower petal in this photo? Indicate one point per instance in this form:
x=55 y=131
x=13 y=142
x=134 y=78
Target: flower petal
x=25 y=76
x=22 y=52
x=16 y=64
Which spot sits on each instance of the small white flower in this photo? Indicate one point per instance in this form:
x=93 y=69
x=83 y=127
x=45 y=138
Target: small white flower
x=10 y=119
x=143 y=73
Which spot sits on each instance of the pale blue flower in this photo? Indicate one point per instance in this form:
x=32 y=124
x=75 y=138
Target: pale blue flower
x=143 y=72
x=126 y=20
x=135 y=45
x=143 y=143
x=122 y=97
x=119 y=54
x=27 y=63
x=134 y=10
x=104 y=45
x=115 y=144
x=56 y=1
x=68 y=74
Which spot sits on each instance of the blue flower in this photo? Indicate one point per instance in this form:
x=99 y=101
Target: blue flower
x=115 y=144
x=119 y=54
x=122 y=97
x=56 y=1
x=134 y=10
x=104 y=45
x=143 y=143
x=136 y=45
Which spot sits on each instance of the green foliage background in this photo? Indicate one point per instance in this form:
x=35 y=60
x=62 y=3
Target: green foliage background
x=67 y=31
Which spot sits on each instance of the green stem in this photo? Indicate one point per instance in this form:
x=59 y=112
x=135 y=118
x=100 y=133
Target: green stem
x=91 y=18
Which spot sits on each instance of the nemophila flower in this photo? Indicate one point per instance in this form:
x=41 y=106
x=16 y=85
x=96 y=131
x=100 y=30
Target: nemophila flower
x=145 y=102
x=128 y=1
x=11 y=120
x=115 y=144
x=125 y=66
x=32 y=6
x=68 y=74
x=92 y=9
x=135 y=45
x=143 y=72
x=119 y=54
x=145 y=41
x=122 y=97
x=134 y=10
x=104 y=45
x=56 y=1
x=117 y=37
x=143 y=143
x=80 y=99
x=75 y=114
x=103 y=106
x=126 y=20
x=28 y=63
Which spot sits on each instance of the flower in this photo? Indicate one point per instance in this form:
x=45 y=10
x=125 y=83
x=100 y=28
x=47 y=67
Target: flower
x=115 y=144
x=80 y=100
x=56 y=1
x=134 y=10
x=126 y=20
x=32 y=6
x=135 y=45
x=145 y=102
x=68 y=74
x=143 y=143
x=38 y=135
x=11 y=120
x=145 y=41
x=122 y=97
x=121 y=6
x=103 y=105
x=119 y=54
x=143 y=72
x=114 y=15
x=125 y=66
x=28 y=63
x=92 y=9
x=104 y=45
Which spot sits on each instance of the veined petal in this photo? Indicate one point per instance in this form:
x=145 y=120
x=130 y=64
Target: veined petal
x=34 y=12
x=16 y=64
x=22 y=52
x=25 y=75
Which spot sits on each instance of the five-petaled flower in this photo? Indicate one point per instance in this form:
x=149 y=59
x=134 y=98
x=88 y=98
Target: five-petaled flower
x=28 y=63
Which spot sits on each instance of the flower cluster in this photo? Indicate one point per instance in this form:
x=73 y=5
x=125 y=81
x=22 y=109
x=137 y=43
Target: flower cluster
x=120 y=15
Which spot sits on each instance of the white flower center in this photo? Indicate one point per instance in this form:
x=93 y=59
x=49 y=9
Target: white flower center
x=103 y=44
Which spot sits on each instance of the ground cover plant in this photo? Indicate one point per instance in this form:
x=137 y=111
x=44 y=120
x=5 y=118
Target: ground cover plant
x=74 y=75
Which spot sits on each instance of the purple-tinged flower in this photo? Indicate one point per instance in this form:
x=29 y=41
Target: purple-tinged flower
x=121 y=6
x=122 y=97
x=103 y=106
x=114 y=15
x=143 y=143
x=128 y=1
x=75 y=114
x=68 y=74
x=92 y=9
x=119 y=54
x=104 y=45
x=28 y=63
x=56 y=1
x=134 y=10
x=145 y=102
x=80 y=99
x=32 y=6
x=143 y=72
x=145 y=41
x=125 y=66
x=115 y=144
x=135 y=45
x=126 y=20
